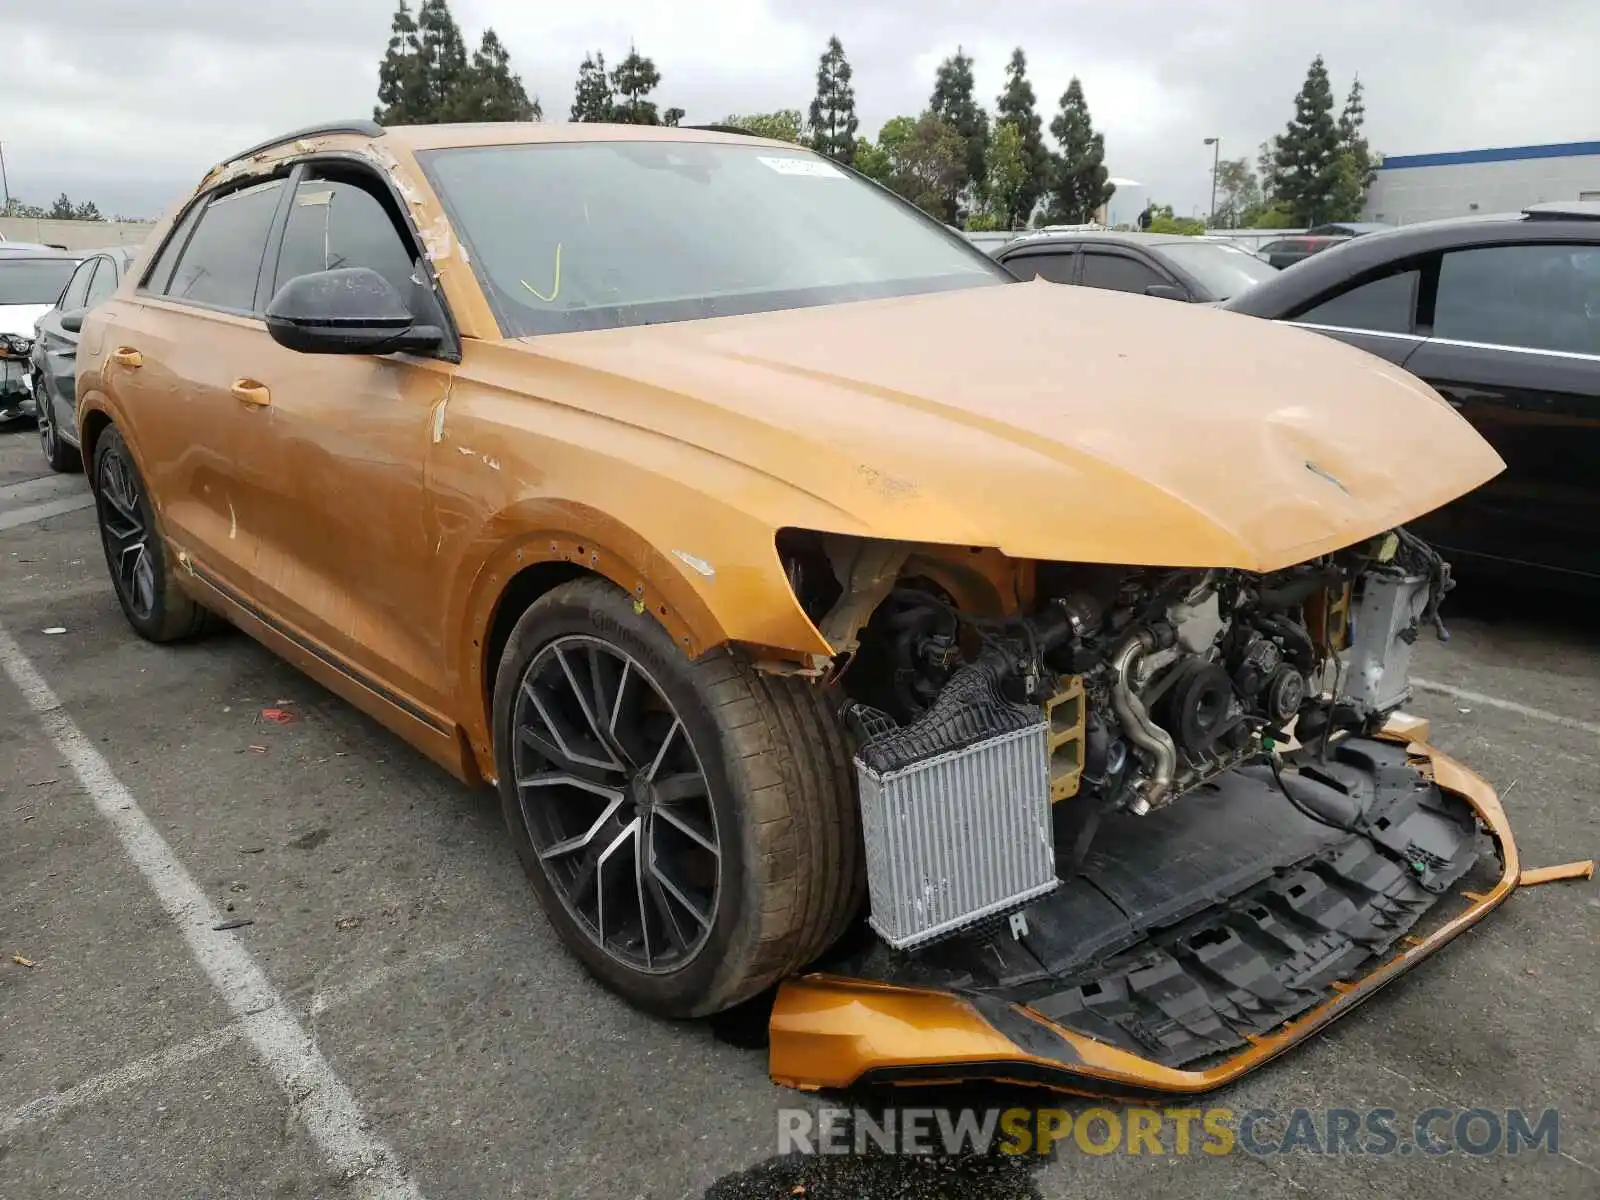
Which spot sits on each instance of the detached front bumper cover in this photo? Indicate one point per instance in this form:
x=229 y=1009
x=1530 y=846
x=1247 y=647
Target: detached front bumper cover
x=828 y=1031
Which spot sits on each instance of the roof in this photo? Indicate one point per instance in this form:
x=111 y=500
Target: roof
x=1099 y=235
x=1456 y=158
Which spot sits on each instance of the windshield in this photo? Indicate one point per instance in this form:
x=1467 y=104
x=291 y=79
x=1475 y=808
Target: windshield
x=1224 y=271
x=594 y=235
x=33 y=280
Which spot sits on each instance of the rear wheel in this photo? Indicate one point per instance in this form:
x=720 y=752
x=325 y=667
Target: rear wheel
x=150 y=597
x=689 y=826
x=57 y=453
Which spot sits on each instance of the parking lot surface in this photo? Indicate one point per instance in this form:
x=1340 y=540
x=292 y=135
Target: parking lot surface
x=412 y=1027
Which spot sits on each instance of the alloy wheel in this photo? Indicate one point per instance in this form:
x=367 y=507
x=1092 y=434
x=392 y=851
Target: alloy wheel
x=616 y=802
x=126 y=534
x=43 y=418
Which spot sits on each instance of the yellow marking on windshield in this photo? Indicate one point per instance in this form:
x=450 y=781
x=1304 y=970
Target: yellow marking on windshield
x=555 y=285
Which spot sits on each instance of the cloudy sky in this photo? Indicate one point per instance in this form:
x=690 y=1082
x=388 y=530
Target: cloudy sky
x=128 y=103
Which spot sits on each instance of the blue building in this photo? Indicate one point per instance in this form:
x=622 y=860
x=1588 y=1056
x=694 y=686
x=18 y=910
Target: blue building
x=1422 y=187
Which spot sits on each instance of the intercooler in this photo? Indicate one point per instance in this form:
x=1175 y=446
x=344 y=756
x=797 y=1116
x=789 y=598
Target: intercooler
x=955 y=811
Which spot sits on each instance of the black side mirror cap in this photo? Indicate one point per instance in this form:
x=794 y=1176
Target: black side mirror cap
x=72 y=320
x=1166 y=291
x=350 y=310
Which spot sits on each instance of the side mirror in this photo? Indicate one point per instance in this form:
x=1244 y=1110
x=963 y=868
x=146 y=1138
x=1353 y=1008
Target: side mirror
x=72 y=320
x=1166 y=291
x=351 y=310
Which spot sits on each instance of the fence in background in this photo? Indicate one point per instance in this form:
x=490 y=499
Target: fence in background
x=74 y=235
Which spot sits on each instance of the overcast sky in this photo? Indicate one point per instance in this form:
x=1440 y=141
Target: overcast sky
x=127 y=104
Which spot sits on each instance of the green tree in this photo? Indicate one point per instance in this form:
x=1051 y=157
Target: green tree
x=1238 y=191
x=872 y=160
x=634 y=78
x=927 y=162
x=673 y=116
x=63 y=209
x=1080 y=187
x=444 y=54
x=594 y=99
x=833 y=110
x=1018 y=107
x=1006 y=178
x=953 y=103
x=492 y=91
x=1356 y=166
x=1306 y=155
x=87 y=211
x=403 y=75
x=783 y=125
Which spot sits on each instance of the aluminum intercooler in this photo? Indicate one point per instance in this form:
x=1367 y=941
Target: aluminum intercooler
x=955 y=812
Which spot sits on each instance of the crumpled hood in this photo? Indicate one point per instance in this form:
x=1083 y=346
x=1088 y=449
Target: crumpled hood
x=1052 y=422
x=19 y=318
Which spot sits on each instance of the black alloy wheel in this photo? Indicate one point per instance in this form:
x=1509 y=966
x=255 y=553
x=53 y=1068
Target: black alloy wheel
x=61 y=456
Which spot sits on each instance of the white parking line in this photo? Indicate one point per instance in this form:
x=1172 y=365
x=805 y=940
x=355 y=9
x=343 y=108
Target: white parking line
x=1538 y=714
x=318 y=1097
x=39 y=512
x=151 y=1066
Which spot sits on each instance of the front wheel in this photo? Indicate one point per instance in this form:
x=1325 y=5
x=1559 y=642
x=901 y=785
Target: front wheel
x=155 y=606
x=689 y=827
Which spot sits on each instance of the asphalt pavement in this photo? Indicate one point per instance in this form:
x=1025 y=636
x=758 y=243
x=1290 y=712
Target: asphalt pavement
x=397 y=1019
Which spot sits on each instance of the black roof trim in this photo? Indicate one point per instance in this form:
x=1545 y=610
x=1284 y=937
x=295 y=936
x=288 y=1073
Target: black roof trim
x=723 y=129
x=361 y=127
x=1564 y=210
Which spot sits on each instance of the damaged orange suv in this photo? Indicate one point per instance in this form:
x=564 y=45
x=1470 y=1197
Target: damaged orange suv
x=794 y=572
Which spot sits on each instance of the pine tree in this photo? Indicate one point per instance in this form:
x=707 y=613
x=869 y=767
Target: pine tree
x=402 y=75
x=593 y=99
x=63 y=209
x=1080 y=187
x=953 y=103
x=444 y=57
x=833 y=111
x=492 y=90
x=1017 y=106
x=1356 y=169
x=635 y=77
x=1306 y=160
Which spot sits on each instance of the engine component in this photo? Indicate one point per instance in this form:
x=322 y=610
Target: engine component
x=1144 y=733
x=955 y=811
x=1260 y=660
x=1384 y=628
x=1286 y=692
x=1066 y=712
x=1199 y=707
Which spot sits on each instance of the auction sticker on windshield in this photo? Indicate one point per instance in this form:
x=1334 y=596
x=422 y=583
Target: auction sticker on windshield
x=803 y=166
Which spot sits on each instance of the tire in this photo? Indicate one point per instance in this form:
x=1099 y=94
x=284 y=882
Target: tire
x=778 y=802
x=136 y=556
x=64 y=459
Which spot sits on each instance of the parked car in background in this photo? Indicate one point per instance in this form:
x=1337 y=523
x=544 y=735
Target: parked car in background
x=1171 y=266
x=29 y=285
x=1344 y=229
x=1287 y=251
x=1501 y=314
x=54 y=357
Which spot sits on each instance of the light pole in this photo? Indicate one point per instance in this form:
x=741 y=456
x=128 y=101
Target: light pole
x=1216 y=161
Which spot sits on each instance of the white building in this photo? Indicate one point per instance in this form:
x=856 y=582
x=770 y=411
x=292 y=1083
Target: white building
x=1422 y=187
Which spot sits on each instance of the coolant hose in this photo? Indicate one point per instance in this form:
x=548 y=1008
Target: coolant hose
x=1136 y=723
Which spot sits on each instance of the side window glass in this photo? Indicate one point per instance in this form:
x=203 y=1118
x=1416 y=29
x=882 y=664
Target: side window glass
x=222 y=262
x=1057 y=268
x=1383 y=305
x=160 y=273
x=334 y=223
x=105 y=282
x=1118 y=273
x=77 y=289
x=1538 y=297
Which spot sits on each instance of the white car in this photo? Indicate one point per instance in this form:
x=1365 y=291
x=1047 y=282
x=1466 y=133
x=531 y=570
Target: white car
x=29 y=284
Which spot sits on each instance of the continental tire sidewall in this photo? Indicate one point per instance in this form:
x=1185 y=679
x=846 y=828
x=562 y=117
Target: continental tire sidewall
x=720 y=965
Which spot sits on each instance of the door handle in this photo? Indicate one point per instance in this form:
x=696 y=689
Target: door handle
x=127 y=356
x=248 y=391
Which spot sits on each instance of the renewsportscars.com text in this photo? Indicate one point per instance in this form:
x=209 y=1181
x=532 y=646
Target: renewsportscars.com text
x=1436 y=1132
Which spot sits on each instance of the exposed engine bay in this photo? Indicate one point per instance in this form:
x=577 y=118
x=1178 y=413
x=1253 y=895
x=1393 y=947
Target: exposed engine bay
x=1118 y=689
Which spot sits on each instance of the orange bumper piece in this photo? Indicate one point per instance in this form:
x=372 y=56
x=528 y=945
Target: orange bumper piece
x=830 y=1032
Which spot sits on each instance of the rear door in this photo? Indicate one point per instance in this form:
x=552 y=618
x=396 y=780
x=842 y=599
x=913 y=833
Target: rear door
x=1375 y=312
x=1058 y=264
x=174 y=358
x=56 y=350
x=1514 y=345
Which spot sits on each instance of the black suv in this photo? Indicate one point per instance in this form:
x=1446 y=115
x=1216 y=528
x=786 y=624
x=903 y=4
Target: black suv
x=1501 y=314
